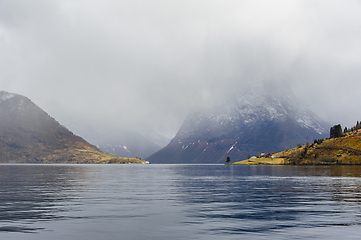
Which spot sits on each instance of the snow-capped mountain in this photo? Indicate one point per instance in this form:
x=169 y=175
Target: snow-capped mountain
x=262 y=118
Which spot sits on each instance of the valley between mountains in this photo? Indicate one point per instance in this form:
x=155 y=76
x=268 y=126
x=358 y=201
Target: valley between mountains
x=261 y=118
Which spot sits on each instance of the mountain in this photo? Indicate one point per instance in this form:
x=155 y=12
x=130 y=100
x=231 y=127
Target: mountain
x=122 y=143
x=262 y=118
x=30 y=135
x=130 y=143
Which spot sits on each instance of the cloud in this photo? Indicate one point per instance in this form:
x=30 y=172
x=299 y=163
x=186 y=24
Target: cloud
x=146 y=64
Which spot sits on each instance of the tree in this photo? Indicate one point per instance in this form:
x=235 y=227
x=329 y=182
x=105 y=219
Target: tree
x=304 y=153
x=336 y=131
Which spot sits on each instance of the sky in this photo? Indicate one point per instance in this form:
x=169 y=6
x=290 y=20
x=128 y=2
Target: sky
x=146 y=64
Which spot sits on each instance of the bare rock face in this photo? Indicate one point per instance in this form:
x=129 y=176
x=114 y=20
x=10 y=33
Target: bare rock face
x=262 y=118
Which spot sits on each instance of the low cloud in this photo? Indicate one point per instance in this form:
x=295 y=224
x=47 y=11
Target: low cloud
x=147 y=64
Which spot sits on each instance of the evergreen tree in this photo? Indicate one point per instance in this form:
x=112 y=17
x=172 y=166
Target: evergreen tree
x=336 y=131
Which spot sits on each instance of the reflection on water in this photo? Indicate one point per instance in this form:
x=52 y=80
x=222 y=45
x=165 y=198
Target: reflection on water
x=29 y=193
x=179 y=202
x=264 y=199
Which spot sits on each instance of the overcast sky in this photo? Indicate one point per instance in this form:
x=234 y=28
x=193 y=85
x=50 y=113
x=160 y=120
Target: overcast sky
x=146 y=64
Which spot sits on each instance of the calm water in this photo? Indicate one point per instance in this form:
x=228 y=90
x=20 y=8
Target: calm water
x=179 y=202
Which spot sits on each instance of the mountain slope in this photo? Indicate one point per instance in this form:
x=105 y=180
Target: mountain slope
x=343 y=150
x=263 y=118
x=30 y=135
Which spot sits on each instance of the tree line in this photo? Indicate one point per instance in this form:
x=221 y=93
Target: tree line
x=336 y=130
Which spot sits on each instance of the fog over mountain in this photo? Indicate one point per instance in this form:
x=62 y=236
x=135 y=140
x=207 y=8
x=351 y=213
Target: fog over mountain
x=30 y=135
x=143 y=66
x=121 y=143
x=264 y=118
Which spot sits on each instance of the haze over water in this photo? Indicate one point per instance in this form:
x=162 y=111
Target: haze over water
x=179 y=202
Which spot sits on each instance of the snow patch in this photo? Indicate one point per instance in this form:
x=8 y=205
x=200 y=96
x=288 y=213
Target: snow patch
x=125 y=148
x=232 y=147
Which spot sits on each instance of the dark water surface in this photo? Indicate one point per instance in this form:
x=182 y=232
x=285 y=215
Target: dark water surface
x=179 y=202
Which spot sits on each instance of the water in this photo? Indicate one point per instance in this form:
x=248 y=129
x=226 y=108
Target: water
x=179 y=202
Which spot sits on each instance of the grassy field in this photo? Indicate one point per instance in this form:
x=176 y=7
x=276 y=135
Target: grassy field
x=345 y=150
x=87 y=155
x=259 y=161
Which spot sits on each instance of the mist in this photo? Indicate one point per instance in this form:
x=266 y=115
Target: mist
x=145 y=65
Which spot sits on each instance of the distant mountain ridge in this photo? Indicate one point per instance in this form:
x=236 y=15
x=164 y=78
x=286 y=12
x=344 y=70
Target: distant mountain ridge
x=261 y=118
x=122 y=143
x=29 y=135
x=131 y=143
